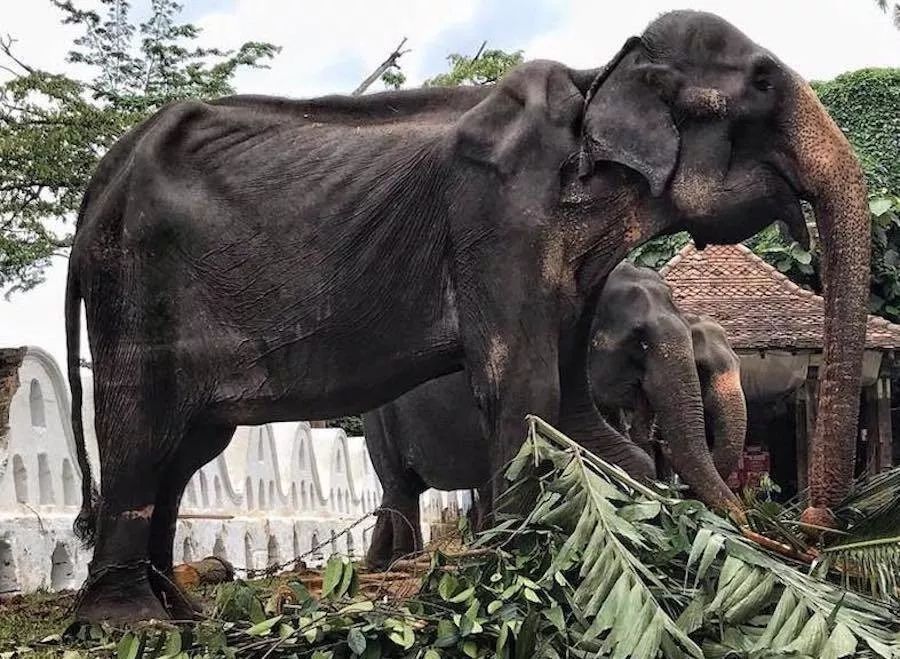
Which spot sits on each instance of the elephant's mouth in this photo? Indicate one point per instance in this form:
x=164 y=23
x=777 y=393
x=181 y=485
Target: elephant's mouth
x=749 y=202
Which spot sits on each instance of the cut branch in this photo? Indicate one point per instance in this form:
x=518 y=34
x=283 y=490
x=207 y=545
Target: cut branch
x=389 y=63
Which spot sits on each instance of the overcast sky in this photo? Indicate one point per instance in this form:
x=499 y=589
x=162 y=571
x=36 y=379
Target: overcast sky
x=329 y=47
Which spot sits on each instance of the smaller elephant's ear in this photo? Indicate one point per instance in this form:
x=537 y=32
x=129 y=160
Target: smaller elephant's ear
x=627 y=120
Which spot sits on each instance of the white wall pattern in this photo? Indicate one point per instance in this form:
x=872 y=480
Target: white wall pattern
x=277 y=491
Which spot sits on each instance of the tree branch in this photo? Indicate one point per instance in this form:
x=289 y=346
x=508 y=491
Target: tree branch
x=6 y=47
x=480 y=50
x=390 y=62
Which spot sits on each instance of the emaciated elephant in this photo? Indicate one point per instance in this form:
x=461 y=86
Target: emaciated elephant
x=257 y=259
x=641 y=358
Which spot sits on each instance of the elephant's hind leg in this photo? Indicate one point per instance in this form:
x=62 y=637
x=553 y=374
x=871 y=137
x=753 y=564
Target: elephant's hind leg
x=397 y=531
x=118 y=588
x=137 y=428
x=199 y=446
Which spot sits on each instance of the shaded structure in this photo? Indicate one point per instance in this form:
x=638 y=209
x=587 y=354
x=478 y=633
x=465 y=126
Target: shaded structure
x=777 y=328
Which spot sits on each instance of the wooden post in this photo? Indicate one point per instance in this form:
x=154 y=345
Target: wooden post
x=885 y=430
x=869 y=425
x=812 y=400
x=801 y=437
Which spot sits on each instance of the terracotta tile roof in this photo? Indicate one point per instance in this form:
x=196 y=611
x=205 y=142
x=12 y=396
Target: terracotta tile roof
x=758 y=306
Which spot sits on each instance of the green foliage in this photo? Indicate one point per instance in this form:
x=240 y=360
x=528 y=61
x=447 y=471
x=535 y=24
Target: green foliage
x=657 y=252
x=54 y=129
x=352 y=425
x=393 y=78
x=600 y=565
x=785 y=254
x=486 y=67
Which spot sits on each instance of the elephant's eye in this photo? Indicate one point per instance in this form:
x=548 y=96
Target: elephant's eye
x=763 y=71
x=762 y=82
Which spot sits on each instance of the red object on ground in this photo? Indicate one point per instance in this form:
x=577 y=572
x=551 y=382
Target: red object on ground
x=756 y=463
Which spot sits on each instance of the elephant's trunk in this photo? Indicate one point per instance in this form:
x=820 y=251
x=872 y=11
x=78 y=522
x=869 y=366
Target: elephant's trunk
x=580 y=420
x=672 y=387
x=726 y=413
x=830 y=174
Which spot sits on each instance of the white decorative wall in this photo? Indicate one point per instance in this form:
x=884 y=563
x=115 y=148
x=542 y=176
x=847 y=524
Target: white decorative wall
x=276 y=492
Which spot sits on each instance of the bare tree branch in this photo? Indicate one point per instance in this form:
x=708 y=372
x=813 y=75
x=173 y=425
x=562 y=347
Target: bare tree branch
x=6 y=47
x=480 y=50
x=390 y=62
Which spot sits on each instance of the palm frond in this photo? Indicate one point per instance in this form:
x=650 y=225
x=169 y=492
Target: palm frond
x=867 y=555
x=648 y=573
x=613 y=584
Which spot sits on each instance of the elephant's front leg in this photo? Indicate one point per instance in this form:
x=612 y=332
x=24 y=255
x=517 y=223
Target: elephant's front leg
x=517 y=380
x=512 y=362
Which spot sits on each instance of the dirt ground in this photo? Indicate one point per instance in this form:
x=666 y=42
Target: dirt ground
x=26 y=619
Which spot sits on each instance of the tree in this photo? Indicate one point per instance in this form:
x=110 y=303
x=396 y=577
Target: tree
x=54 y=129
x=485 y=67
x=893 y=8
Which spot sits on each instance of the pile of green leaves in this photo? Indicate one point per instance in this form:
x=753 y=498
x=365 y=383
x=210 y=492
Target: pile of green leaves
x=599 y=566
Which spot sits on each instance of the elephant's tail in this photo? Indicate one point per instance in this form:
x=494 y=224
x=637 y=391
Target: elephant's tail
x=86 y=523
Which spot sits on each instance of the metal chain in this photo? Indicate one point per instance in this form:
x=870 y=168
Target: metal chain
x=271 y=570
x=268 y=571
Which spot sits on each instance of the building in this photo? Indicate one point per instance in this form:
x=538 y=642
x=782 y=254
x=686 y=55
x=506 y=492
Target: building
x=777 y=329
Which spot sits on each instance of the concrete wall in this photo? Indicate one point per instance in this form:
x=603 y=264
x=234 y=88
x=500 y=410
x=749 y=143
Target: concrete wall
x=276 y=492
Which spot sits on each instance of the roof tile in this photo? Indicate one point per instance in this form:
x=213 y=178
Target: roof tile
x=758 y=306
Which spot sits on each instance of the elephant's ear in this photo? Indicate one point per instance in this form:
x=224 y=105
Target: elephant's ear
x=627 y=120
x=529 y=120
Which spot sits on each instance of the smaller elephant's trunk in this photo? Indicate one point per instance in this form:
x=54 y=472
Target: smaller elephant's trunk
x=726 y=412
x=672 y=386
x=580 y=420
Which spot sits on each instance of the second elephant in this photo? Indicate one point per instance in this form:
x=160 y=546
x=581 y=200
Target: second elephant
x=673 y=369
x=639 y=362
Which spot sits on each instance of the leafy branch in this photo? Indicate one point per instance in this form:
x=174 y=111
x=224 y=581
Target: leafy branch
x=54 y=128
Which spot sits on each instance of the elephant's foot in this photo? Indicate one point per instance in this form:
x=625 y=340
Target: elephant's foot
x=180 y=604
x=119 y=595
x=379 y=556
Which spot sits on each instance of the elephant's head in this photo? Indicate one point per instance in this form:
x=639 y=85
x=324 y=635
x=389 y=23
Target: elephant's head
x=642 y=349
x=725 y=408
x=729 y=139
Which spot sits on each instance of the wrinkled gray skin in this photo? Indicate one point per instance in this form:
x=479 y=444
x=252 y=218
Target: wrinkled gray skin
x=257 y=259
x=724 y=405
x=641 y=359
x=672 y=370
